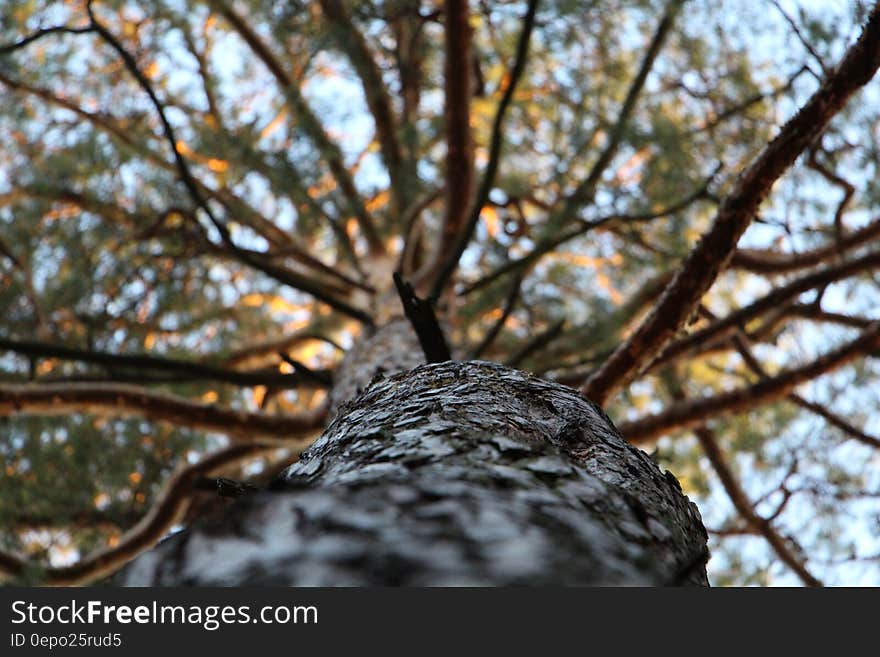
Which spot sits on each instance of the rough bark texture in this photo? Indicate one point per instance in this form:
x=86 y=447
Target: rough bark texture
x=449 y=474
x=393 y=348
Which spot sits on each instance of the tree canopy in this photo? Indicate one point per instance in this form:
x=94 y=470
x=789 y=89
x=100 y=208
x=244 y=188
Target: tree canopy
x=671 y=206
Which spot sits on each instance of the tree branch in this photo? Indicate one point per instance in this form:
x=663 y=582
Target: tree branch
x=744 y=507
x=161 y=518
x=225 y=197
x=771 y=301
x=800 y=36
x=740 y=107
x=585 y=191
x=8 y=48
x=421 y=315
x=546 y=245
x=243 y=212
x=307 y=374
x=329 y=150
x=713 y=252
x=742 y=346
x=836 y=180
x=761 y=261
x=694 y=412
x=456 y=114
x=447 y=266
x=280 y=274
x=538 y=342
x=272 y=347
x=209 y=85
x=493 y=332
x=116 y=399
x=183 y=370
x=376 y=94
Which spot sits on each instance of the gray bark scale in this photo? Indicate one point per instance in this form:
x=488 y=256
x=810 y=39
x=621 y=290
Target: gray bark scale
x=456 y=473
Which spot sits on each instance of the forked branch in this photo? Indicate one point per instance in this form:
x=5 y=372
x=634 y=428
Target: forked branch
x=694 y=412
x=712 y=254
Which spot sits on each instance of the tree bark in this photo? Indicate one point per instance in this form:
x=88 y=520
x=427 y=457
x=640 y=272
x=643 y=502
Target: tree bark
x=454 y=473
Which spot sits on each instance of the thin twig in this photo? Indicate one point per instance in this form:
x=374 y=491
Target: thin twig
x=547 y=245
x=507 y=309
x=584 y=192
x=305 y=372
x=744 y=507
x=537 y=343
x=5 y=49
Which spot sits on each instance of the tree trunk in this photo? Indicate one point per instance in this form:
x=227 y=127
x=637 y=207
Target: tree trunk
x=455 y=473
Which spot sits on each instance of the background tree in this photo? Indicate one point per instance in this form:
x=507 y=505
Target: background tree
x=203 y=204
